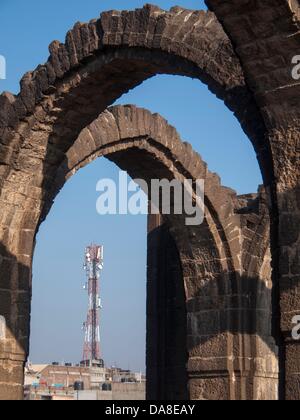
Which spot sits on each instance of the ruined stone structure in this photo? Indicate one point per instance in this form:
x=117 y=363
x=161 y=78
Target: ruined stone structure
x=209 y=336
x=220 y=320
x=266 y=38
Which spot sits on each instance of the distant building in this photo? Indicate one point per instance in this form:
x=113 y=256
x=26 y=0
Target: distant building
x=69 y=382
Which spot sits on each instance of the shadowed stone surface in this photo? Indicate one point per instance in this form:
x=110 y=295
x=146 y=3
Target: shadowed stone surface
x=265 y=36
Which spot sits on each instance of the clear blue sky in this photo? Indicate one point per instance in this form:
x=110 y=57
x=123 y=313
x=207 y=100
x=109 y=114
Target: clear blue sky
x=59 y=303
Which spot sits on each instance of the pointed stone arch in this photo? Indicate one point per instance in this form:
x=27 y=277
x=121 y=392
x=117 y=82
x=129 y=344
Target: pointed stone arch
x=248 y=67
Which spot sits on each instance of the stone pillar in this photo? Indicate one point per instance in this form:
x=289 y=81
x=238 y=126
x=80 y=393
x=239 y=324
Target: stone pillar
x=265 y=36
x=166 y=317
x=227 y=274
x=15 y=318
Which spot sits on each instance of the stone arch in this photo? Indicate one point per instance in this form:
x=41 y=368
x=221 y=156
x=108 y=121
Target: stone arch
x=209 y=256
x=105 y=58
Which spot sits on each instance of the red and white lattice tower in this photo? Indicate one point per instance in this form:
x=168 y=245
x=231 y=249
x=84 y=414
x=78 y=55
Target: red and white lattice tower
x=93 y=265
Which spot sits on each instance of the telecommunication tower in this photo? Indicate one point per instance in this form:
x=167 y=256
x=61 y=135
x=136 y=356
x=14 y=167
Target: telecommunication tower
x=93 y=265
